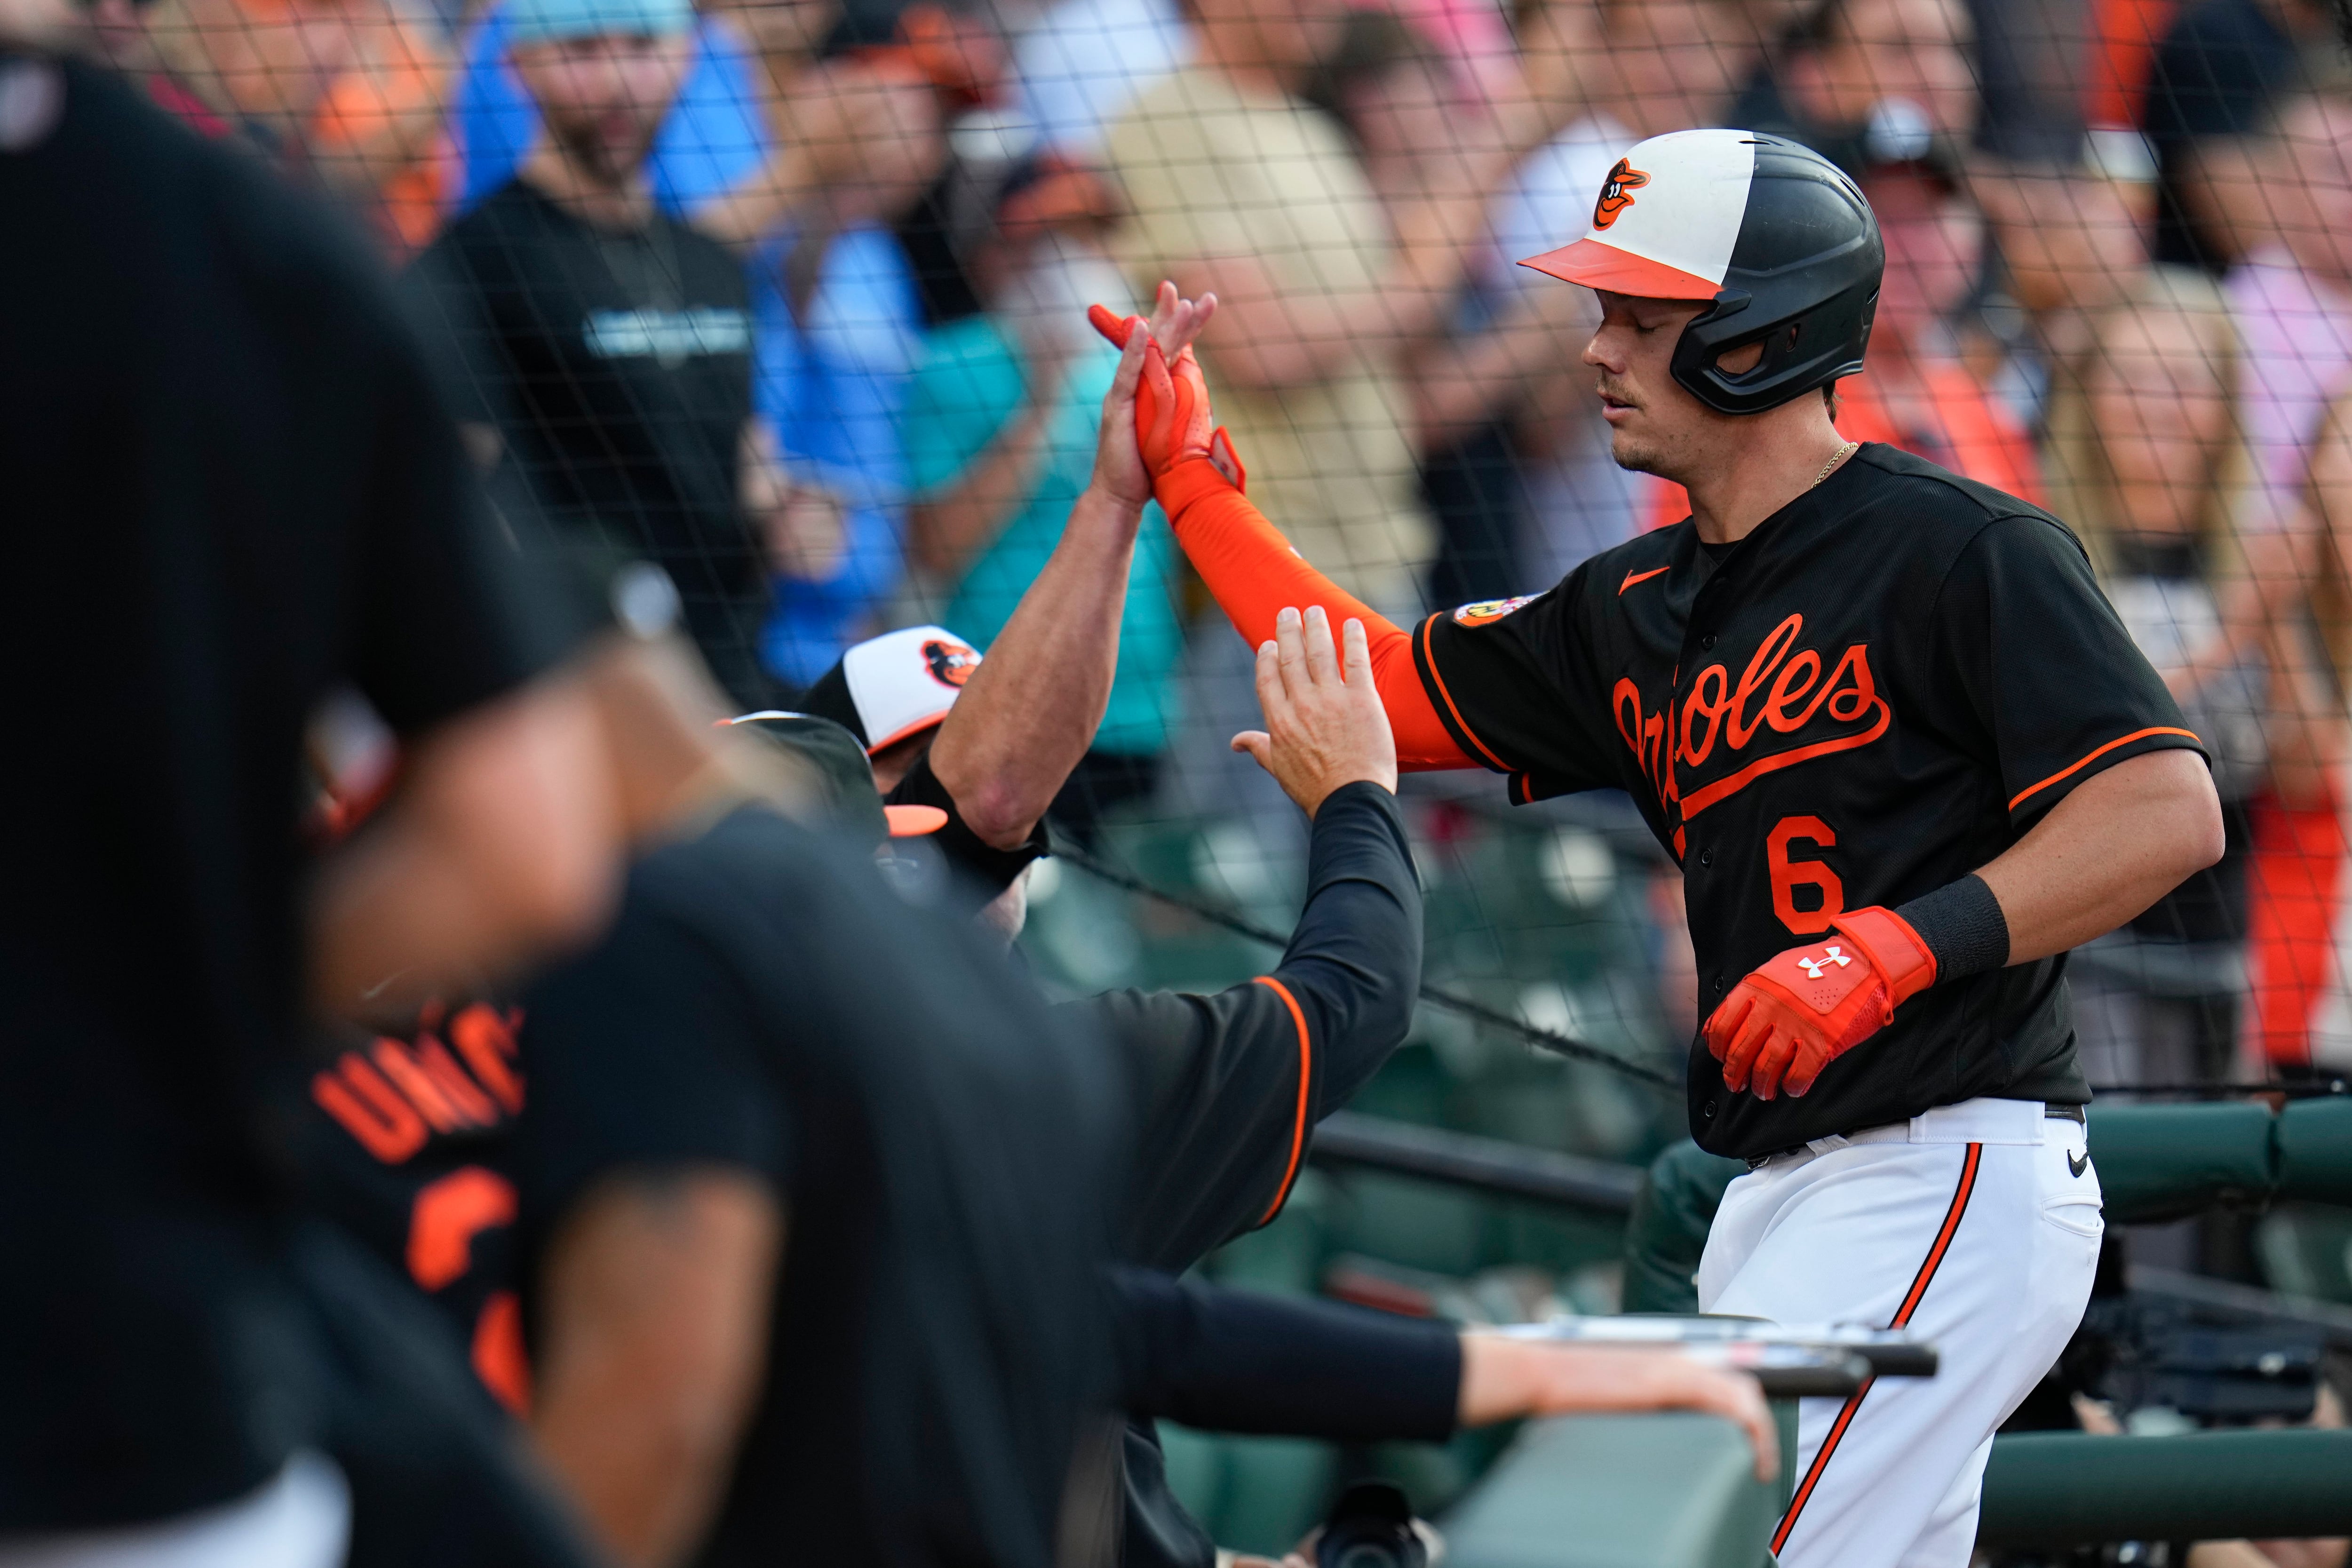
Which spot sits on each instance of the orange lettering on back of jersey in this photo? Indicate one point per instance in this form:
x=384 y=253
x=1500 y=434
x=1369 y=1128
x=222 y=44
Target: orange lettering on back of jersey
x=486 y=1042
x=437 y=1086
x=370 y=1109
x=447 y=1216
x=500 y=1358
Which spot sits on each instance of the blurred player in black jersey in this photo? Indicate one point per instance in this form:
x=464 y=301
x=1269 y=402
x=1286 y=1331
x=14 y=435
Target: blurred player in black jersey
x=231 y=476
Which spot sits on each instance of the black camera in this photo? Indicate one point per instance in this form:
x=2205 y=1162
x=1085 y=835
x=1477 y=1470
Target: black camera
x=1371 y=1527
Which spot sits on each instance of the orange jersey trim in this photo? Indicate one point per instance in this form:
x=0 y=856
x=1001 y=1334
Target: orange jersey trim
x=1919 y=1282
x=1306 y=1082
x=1429 y=656
x=2103 y=751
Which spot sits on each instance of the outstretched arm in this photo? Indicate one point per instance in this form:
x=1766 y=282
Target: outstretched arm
x=1236 y=1361
x=1033 y=704
x=1246 y=564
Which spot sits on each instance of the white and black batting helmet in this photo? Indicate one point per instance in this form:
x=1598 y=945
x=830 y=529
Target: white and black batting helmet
x=1774 y=234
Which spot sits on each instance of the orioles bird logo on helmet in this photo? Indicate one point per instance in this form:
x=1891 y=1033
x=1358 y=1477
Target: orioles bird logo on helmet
x=951 y=663
x=1614 y=193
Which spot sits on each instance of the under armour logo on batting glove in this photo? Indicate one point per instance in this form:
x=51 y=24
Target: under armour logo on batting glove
x=1801 y=1010
x=1172 y=420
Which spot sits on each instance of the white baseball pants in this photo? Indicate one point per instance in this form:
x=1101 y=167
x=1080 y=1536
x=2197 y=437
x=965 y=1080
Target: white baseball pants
x=1976 y=1228
x=299 y=1518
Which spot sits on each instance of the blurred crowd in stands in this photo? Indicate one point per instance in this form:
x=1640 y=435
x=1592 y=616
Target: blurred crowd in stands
x=790 y=294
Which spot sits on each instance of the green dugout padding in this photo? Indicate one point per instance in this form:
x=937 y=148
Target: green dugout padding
x=2313 y=1138
x=2162 y=1162
x=1675 y=1491
x=2057 y=1488
x=1617 y=1491
x=2156 y=1162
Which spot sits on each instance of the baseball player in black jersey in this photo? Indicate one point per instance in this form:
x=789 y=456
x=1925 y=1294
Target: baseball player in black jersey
x=1905 y=753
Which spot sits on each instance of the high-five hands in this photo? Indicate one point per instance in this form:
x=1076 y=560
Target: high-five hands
x=1173 y=419
x=1799 y=1010
x=1325 y=726
x=1122 y=468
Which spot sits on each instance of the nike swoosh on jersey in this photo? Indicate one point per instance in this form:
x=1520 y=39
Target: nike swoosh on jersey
x=2076 y=1167
x=1634 y=577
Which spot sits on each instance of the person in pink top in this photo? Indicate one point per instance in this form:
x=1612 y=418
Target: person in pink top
x=2293 y=298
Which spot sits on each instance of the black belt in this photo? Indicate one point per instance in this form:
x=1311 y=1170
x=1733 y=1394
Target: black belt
x=2050 y=1111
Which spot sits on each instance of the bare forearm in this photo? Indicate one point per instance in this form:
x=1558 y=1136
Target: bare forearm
x=2112 y=847
x=656 y=1294
x=1033 y=706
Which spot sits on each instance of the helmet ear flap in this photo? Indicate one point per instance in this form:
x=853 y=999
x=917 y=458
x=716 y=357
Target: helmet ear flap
x=1801 y=352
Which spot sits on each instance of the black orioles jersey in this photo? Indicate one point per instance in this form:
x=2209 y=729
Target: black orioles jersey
x=405 y=1144
x=1872 y=695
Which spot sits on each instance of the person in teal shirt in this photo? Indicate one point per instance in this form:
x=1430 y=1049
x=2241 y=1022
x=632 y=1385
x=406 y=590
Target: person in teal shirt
x=998 y=431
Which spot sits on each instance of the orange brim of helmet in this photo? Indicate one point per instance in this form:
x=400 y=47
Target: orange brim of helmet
x=1597 y=265
x=914 y=821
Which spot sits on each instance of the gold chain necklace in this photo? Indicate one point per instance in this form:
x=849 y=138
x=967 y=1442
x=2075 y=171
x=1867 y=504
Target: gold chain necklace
x=1845 y=449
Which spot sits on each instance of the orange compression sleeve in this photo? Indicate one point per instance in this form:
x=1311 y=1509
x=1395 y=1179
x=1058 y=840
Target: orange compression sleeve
x=1254 y=574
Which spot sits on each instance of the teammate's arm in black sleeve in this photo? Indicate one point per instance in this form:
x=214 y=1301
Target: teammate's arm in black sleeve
x=2103 y=783
x=1230 y=1086
x=1353 y=967
x=1236 y=1361
x=1232 y=1361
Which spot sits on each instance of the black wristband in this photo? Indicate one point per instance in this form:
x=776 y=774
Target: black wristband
x=996 y=867
x=1962 y=925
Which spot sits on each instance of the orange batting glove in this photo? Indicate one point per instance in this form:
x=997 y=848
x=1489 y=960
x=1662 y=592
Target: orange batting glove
x=1172 y=406
x=1801 y=1010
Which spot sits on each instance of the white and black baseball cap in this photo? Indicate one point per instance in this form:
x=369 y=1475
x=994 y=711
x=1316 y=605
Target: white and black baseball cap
x=1776 y=235
x=891 y=688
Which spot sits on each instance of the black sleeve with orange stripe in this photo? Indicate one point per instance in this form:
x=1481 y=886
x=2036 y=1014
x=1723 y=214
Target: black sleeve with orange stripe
x=1229 y=1086
x=1516 y=685
x=2045 y=665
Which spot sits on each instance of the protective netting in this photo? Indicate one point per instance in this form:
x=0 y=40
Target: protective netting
x=842 y=384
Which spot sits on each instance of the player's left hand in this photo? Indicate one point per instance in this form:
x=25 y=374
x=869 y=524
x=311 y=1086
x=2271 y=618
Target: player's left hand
x=1172 y=418
x=1133 y=408
x=1799 y=1010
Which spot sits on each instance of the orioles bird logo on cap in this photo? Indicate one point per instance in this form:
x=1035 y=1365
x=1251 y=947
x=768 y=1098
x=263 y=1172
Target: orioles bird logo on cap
x=1614 y=198
x=950 y=663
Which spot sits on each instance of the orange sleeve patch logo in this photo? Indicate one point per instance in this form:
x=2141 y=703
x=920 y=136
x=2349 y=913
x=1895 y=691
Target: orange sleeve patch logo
x=1488 y=611
x=1616 y=192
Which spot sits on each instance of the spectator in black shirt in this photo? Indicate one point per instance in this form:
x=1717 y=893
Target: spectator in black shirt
x=603 y=350
x=230 y=475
